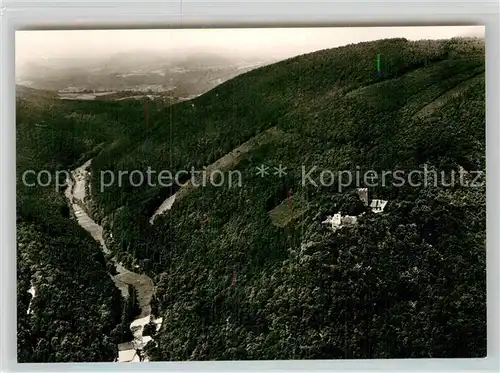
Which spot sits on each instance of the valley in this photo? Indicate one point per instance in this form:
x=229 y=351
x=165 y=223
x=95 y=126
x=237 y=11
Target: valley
x=264 y=271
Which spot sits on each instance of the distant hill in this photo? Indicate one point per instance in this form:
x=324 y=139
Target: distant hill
x=28 y=93
x=184 y=74
x=251 y=272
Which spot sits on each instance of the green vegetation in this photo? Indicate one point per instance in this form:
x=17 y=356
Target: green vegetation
x=75 y=305
x=408 y=282
x=290 y=209
x=77 y=314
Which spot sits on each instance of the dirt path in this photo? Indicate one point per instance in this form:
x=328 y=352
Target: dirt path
x=226 y=162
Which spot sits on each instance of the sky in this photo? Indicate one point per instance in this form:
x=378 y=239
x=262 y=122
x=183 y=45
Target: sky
x=273 y=43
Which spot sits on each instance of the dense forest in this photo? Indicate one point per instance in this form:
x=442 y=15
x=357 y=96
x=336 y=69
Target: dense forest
x=236 y=280
x=77 y=314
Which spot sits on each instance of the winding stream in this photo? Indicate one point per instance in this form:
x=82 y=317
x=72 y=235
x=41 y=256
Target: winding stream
x=144 y=286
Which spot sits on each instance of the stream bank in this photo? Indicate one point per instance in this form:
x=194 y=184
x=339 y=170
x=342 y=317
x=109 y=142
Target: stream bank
x=130 y=351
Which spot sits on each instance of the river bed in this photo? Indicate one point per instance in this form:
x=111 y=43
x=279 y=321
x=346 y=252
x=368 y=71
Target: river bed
x=144 y=286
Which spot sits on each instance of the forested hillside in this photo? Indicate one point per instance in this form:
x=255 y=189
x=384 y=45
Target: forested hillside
x=238 y=275
x=76 y=313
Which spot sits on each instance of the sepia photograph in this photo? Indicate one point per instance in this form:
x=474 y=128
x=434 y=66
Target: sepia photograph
x=250 y=194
